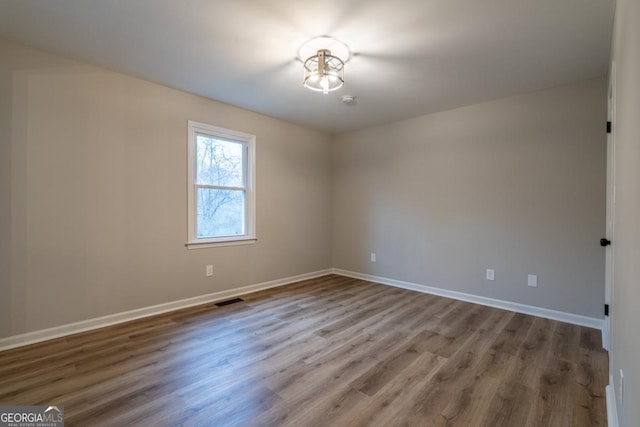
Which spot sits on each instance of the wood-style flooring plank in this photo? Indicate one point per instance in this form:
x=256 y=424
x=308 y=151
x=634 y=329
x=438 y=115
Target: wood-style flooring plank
x=383 y=406
x=331 y=351
x=592 y=379
x=510 y=406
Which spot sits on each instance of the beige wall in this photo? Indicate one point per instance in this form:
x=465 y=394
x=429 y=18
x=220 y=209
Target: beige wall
x=625 y=348
x=517 y=185
x=5 y=204
x=93 y=194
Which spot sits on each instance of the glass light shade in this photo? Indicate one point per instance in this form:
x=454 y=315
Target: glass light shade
x=323 y=72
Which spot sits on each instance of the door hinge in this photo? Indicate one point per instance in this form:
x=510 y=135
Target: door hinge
x=608 y=127
x=606 y=309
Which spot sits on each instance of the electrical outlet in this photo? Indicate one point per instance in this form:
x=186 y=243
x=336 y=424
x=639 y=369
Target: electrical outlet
x=373 y=257
x=209 y=270
x=532 y=280
x=491 y=274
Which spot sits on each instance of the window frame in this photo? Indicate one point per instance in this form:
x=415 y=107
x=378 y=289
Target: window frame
x=248 y=141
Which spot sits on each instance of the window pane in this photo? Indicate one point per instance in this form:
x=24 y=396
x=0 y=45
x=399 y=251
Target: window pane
x=219 y=162
x=220 y=213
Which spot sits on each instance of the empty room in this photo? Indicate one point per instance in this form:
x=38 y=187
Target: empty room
x=338 y=213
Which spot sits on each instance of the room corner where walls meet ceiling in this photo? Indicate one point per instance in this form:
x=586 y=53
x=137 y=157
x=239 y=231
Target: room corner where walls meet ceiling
x=411 y=57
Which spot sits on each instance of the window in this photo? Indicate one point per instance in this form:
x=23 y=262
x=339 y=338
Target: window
x=221 y=193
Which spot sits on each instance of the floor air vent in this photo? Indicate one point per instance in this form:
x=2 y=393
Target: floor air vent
x=229 y=301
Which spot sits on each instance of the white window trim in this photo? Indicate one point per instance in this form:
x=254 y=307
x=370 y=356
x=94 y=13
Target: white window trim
x=249 y=141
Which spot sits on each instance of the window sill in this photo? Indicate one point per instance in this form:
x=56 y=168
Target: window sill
x=235 y=242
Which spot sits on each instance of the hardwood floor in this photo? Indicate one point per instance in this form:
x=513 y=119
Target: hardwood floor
x=332 y=351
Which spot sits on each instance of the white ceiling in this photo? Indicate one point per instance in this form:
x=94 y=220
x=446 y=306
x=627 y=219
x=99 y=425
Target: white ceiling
x=410 y=57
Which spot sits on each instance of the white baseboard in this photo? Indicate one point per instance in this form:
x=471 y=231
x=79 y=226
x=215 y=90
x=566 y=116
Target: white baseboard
x=575 y=319
x=612 y=411
x=112 y=319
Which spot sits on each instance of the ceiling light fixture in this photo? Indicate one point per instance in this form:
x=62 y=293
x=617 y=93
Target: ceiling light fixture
x=323 y=72
x=323 y=59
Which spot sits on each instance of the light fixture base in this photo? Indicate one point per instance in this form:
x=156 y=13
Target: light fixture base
x=312 y=46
